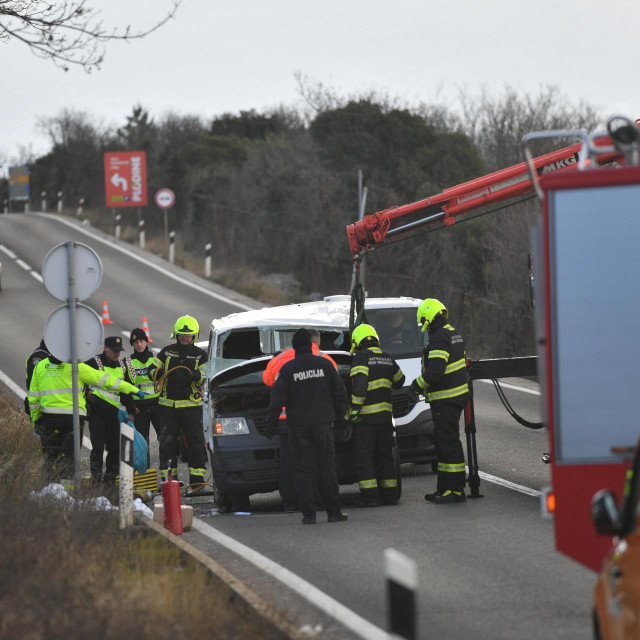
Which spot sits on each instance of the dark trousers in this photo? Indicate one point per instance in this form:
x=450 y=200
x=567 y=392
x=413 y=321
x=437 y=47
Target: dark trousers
x=373 y=459
x=286 y=485
x=104 y=430
x=314 y=466
x=147 y=414
x=446 y=432
x=57 y=447
x=187 y=422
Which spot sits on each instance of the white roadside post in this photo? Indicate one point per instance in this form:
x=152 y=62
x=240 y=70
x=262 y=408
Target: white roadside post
x=80 y=206
x=59 y=201
x=118 y=220
x=27 y=207
x=141 y=233
x=401 y=574
x=43 y=202
x=172 y=247
x=125 y=511
x=5 y=205
x=207 y=260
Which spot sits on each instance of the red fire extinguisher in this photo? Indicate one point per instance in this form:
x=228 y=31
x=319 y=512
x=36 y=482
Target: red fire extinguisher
x=171 y=503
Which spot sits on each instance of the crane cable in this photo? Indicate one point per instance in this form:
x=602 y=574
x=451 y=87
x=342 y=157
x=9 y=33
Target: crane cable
x=510 y=410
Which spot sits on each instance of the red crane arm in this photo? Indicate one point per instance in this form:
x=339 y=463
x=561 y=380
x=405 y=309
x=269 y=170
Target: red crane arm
x=381 y=227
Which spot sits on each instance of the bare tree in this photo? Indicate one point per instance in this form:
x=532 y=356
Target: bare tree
x=68 y=32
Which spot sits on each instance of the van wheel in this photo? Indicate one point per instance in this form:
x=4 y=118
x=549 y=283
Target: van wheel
x=222 y=499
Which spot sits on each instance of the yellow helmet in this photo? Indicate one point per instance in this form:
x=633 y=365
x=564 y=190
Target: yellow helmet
x=186 y=326
x=361 y=333
x=428 y=310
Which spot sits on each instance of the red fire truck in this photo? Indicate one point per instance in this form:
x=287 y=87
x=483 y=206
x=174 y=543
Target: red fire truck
x=587 y=276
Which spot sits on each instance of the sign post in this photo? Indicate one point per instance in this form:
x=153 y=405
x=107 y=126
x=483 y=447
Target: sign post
x=165 y=199
x=19 y=184
x=72 y=271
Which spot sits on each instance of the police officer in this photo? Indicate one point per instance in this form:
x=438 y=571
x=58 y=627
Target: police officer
x=54 y=411
x=40 y=353
x=373 y=374
x=285 y=469
x=147 y=411
x=444 y=383
x=104 y=404
x=314 y=394
x=178 y=368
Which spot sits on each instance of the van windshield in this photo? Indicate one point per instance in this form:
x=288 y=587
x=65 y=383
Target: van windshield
x=398 y=330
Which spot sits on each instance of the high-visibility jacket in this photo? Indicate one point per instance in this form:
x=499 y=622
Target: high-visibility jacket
x=183 y=366
x=39 y=354
x=108 y=401
x=51 y=389
x=137 y=367
x=270 y=374
x=373 y=374
x=444 y=369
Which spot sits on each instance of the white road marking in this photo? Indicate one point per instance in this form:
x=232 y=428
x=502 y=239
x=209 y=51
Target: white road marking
x=10 y=253
x=320 y=599
x=507 y=483
x=506 y=385
x=21 y=393
x=37 y=276
x=159 y=269
x=23 y=264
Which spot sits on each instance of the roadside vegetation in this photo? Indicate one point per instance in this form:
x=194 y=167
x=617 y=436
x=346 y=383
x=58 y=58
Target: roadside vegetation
x=273 y=191
x=72 y=574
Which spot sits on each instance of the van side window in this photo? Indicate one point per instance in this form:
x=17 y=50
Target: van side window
x=242 y=344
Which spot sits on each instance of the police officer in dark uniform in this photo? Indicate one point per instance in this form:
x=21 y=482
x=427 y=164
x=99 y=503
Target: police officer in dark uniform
x=444 y=383
x=373 y=373
x=314 y=395
x=39 y=354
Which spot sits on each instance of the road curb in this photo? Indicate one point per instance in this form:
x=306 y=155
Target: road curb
x=238 y=591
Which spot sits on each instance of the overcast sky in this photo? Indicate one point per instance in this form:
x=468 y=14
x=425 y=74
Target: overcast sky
x=218 y=56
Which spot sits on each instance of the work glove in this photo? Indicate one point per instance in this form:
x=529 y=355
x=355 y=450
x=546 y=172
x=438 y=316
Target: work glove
x=415 y=387
x=195 y=376
x=411 y=395
x=354 y=416
x=271 y=430
x=141 y=395
x=38 y=429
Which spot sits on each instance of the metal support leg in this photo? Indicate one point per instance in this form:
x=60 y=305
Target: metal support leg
x=472 y=453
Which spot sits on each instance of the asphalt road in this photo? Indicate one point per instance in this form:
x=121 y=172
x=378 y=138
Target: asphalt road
x=487 y=568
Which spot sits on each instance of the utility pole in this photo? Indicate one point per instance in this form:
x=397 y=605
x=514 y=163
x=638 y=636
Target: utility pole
x=362 y=202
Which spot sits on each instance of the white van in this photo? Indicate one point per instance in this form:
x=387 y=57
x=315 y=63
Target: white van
x=243 y=460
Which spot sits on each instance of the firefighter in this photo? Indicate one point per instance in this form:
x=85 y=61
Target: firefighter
x=104 y=404
x=41 y=352
x=373 y=374
x=147 y=411
x=178 y=372
x=443 y=382
x=290 y=503
x=314 y=395
x=51 y=406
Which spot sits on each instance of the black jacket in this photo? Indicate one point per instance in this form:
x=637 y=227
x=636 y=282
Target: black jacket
x=310 y=388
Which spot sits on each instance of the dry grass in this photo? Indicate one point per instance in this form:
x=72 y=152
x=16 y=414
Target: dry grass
x=70 y=573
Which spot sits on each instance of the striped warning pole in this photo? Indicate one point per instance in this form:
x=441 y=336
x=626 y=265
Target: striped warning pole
x=401 y=574
x=125 y=511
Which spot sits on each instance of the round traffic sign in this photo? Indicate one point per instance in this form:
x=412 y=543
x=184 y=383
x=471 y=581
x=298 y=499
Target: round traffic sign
x=87 y=270
x=165 y=198
x=89 y=333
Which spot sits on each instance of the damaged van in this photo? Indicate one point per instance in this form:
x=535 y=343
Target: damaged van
x=243 y=460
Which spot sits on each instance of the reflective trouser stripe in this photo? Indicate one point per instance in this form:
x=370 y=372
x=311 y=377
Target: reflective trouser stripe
x=197 y=472
x=390 y=483
x=451 y=468
x=368 y=484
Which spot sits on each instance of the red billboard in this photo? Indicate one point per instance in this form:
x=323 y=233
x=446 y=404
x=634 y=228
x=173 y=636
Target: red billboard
x=125 y=179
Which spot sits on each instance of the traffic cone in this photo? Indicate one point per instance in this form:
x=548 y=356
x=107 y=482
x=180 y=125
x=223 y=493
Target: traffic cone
x=105 y=313
x=145 y=328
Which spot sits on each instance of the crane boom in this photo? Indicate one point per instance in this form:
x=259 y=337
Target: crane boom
x=384 y=226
